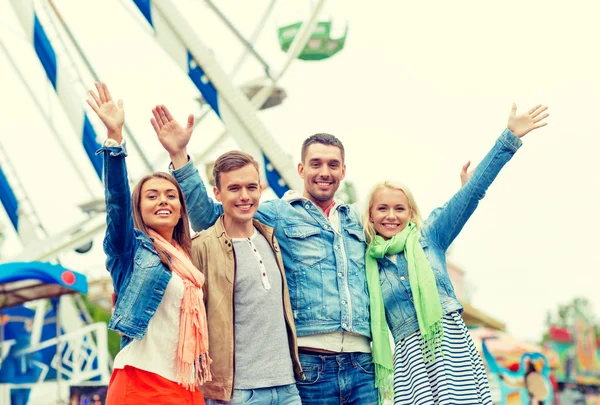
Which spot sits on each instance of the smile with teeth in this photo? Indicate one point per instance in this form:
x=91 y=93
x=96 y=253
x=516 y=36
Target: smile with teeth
x=244 y=207
x=324 y=183
x=391 y=226
x=162 y=213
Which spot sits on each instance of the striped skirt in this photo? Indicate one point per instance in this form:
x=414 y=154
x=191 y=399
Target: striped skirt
x=455 y=378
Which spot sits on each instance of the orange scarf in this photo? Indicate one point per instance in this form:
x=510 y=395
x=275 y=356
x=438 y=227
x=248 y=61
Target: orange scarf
x=192 y=351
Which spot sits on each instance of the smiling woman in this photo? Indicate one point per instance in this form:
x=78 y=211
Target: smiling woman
x=160 y=207
x=408 y=280
x=159 y=291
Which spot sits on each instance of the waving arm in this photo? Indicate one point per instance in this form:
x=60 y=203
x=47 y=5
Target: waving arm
x=445 y=226
x=174 y=138
x=119 y=237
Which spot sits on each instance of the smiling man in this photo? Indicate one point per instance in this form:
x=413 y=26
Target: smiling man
x=323 y=249
x=251 y=331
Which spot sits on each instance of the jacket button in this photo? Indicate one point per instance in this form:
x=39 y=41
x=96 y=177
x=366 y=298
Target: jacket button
x=402 y=278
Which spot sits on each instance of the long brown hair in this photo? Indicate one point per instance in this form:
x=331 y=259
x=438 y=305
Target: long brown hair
x=181 y=233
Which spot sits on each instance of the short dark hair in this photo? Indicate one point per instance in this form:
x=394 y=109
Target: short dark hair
x=324 y=139
x=229 y=161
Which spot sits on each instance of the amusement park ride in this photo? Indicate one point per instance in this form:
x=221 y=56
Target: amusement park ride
x=47 y=339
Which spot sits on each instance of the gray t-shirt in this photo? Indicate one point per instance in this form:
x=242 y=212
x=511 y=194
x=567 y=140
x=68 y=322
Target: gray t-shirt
x=262 y=354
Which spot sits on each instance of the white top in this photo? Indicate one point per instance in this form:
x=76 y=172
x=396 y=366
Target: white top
x=157 y=351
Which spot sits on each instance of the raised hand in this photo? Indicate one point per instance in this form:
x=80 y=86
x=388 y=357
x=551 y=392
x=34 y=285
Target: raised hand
x=522 y=124
x=465 y=174
x=113 y=116
x=172 y=136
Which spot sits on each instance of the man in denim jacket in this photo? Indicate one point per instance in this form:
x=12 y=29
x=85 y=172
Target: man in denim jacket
x=323 y=250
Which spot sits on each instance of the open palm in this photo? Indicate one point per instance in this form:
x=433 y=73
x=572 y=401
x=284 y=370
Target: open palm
x=172 y=136
x=113 y=116
x=522 y=124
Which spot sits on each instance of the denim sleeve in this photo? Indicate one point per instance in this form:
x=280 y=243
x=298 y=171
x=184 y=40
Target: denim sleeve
x=120 y=238
x=268 y=211
x=203 y=211
x=445 y=223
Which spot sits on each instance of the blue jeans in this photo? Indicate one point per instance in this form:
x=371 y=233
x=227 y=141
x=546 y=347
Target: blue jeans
x=281 y=395
x=347 y=378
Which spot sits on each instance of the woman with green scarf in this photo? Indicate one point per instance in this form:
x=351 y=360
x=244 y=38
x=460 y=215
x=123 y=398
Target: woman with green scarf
x=435 y=360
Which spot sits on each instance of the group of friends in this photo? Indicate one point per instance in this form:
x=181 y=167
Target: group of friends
x=287 y=301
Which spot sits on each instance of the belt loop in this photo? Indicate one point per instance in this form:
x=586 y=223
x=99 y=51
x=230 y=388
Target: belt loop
x=341 y=360
x=354 y=358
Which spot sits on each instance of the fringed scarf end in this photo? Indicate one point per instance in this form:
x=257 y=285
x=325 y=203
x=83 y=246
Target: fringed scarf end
x=203 y=369
x=432 y=341
x=384 y=383
x=184 y=374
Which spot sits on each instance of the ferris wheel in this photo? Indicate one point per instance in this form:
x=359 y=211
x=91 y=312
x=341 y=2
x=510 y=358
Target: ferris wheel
x=69 y=71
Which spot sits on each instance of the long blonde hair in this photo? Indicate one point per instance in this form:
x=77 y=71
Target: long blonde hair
x=369 y=230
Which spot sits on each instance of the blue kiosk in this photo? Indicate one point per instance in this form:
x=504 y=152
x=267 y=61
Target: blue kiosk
x=34 y=352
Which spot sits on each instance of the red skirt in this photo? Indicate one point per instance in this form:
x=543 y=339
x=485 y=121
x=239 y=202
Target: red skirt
x=132 y=386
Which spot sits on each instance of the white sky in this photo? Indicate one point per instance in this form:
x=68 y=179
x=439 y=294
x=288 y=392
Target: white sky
x=420 y=88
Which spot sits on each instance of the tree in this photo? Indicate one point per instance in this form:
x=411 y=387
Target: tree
x=565 y=315
x=98 y=314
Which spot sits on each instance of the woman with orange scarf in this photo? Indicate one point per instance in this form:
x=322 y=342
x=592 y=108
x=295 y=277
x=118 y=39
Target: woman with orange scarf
x=159 y=310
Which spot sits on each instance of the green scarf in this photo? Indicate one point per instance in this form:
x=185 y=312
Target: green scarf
x=381 y=348
x=422 y=284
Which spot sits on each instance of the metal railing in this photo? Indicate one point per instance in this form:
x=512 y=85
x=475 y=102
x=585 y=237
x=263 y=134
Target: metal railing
x=80 y=356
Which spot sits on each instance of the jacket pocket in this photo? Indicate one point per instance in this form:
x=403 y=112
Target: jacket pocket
x=355 y=248
x=306 y=244
x=312 y=372
x=357 y=233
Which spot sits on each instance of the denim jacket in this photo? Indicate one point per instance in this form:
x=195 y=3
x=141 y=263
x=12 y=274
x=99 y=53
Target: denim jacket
x=139 y=277
x=437 y=233
x=325 y=269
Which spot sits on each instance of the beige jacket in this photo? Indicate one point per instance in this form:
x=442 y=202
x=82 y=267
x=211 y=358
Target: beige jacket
x=212 y=253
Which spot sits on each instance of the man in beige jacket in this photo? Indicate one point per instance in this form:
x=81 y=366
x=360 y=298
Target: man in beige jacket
x=252 y=338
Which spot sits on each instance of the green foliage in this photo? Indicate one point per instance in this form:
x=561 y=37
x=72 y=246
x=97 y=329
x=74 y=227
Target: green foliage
x=565 y=314
x=347 y=192
x=100 y=315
